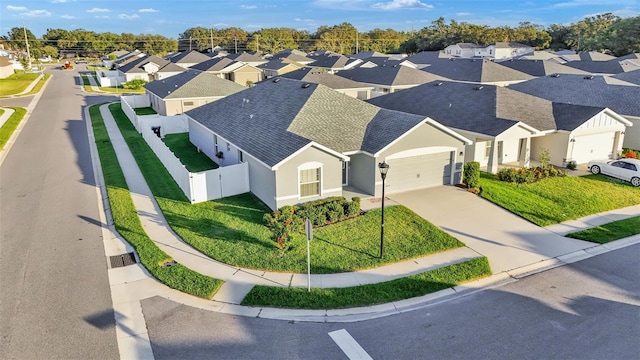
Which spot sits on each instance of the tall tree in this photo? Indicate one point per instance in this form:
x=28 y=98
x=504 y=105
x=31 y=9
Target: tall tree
x=199 y=38
x=339 y=38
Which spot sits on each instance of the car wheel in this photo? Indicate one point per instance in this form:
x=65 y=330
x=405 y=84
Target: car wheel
x=635 y=181
x=595 y=169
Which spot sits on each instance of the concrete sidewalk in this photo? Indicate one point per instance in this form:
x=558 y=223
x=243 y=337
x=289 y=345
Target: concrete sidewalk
x=6 y=115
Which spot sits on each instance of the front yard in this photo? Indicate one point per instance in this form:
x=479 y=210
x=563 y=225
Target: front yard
x=557 y=199
x=230 y=230
x=16 y=83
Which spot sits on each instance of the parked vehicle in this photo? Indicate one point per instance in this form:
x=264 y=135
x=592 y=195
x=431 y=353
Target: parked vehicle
x=82 y=61
x=623 y=169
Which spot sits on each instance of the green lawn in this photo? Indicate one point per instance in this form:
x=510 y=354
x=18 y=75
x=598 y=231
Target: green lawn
x=16 y=83
x=36 y=89
x=120 y=90
x=10 y=125
x=128 y=224
x=230 y=230
x=403 y=288
x=188 y=154
x=85 y=80
x=609 y=232
x=554 y=200
x=1 y=112
x=145 y=111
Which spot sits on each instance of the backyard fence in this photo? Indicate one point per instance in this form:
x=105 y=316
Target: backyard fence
x=197 y=187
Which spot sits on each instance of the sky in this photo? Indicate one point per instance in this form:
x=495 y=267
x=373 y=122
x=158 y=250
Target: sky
x=172 y=17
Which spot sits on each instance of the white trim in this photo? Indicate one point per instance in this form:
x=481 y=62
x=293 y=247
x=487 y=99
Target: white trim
x=616 y=116
x=288 y=197
x=310 y=144
x=421 y=151
x=332 y=190
x=431 y=122
x=311 y=165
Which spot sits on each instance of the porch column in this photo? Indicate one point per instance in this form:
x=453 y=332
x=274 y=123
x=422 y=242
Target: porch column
x=492 y=165
x=525 y=155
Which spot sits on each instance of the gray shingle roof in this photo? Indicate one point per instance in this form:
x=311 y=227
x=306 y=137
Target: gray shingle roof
x=427 y=57
x=597 y=67
x=575 y=89
x=192 y=84
x=275 y=64
x=490 y=110
x=540 y=67
x=326 y=79
x=474 y=70
x=136 y=65
x=272 y=120
x=245 y=57
x=630 y=77
x=329 y=61
x=213 y=64
x=189 y=57
x=397 y=75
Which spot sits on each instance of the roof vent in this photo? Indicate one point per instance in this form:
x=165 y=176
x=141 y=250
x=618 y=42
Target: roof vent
x=305 y=85
x=276 y=80
x=555 y=75
x=438 y=83
x=479 y=87
x=590 y=77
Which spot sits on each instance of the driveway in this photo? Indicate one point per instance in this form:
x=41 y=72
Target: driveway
x=509 y=241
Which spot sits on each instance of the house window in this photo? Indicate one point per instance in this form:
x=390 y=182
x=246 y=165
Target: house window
x=240 y=156
x=457 y=52
x=309 y=182
x=487 y=149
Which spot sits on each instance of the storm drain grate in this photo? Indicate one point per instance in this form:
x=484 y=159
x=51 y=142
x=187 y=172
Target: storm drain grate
x=122 y=260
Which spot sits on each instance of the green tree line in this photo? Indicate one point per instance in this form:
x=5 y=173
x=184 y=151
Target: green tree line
x=603 y=33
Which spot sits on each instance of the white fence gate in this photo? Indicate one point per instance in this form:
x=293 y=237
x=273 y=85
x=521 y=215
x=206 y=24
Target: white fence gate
x=198 y=187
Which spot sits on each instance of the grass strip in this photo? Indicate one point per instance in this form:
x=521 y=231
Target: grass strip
x=557 y=199
x=127 y=222
x=36 y=89
x=183 y=149
x=11 y=125
x=231 y=231
x=372 y=294
x=609 y=232
x=16 y=83
x=145 y=111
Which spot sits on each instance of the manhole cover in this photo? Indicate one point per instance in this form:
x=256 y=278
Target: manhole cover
x=122 y=260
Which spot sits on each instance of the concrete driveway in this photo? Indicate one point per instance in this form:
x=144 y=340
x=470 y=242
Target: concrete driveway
x=509 y=241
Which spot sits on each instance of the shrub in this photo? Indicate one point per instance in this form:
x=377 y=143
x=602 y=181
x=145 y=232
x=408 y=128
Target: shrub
x=335 y=211
x=134 y=84
x=629 y=154
x=544 y=158
x=571 y=165
x=527 y=175
x=471 y=174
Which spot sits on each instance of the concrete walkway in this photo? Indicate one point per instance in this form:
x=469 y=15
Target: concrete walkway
x=6 y=115
x=514 y=247
x=31 y=86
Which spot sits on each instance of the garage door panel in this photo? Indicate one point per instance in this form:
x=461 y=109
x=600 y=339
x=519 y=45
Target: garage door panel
x=417 y=172
x=592 y=147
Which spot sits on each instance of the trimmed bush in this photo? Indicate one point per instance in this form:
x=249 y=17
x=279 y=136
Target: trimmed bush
x=527 y=175
x=471 y=174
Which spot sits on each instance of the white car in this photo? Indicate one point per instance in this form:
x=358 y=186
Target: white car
x=624 y=169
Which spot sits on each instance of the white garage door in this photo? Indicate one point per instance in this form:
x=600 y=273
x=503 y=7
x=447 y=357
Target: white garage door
x=417 y=172
x=593 y=147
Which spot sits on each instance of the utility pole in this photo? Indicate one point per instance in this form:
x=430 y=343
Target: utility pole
x=24 y=29
x=189 y=43
x=211 y=35
x=235 y=41
x=356 y=40
x=257 y=44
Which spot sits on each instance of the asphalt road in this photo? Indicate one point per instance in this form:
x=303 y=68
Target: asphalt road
x=55 y=301
x=587 y=310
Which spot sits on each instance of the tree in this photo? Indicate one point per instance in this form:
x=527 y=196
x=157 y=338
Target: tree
x=273 y=40
x=339 y=38
x=48 y=50
x=199 y=37
x=16 y=39
x=623 y=36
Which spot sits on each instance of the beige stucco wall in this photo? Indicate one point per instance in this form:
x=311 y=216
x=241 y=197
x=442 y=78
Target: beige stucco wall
x=242 y=75
x=632 y=134
x=556 y=143
x=179 y=106
x=287 y=186
x=262 y=182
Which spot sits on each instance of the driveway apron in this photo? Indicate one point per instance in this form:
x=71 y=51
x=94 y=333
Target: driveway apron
x=509 y=241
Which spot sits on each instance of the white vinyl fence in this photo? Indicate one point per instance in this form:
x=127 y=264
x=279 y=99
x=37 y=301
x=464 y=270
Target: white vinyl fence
x=109 y=78
x=198 y=187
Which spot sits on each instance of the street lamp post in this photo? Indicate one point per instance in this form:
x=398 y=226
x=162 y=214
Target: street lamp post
x=384 y=168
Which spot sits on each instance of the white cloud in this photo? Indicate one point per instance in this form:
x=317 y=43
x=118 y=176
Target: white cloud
x=62 y=1
x=401 y=4
x=220 y=24
x=128 y=17
x=101 y=16
x=98 y=10
x=36 y=13
x=65 y=16
x=248 y=6
x=463 y=14
x=149 y=10
x=16 y=8
x=575 y=3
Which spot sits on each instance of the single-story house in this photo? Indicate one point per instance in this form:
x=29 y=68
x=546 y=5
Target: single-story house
x=389 y=79
x=464 y=50
x=305 y=141
x=476 y=71
x=348 y=87
x=509 y=127
x=277 y=67
x=591 y=91
x=631 y=77
x=247 y=58
x=540 y=67
x=333 y=63
x=187 y=91
x=188 y=58
x=148 y=68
